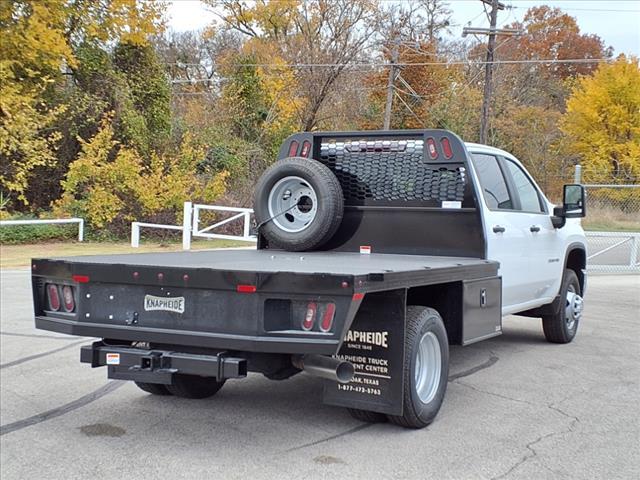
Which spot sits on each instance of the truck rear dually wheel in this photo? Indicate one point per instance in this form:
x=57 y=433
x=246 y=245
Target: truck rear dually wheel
x=563 y=326
x=426 y=367
x=298 y=204
x=193 y=386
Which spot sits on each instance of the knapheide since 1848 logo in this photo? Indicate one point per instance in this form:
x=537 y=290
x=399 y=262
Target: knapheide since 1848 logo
x=166 y=304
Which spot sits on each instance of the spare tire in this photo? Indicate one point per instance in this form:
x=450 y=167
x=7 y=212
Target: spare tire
x=298 y=204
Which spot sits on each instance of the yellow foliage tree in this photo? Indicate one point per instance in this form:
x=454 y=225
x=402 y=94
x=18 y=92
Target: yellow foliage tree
x=109 y=184
x=602 y=122
x=38 y=40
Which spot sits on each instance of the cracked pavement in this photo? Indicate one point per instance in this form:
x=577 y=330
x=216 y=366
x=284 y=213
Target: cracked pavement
x=516 y=408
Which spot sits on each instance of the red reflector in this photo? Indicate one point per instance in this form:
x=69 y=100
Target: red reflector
x=80 y=278
x=310 y=316
x=431 y=147
x=446 y=147
x=306 y=148
x=293 y=148
x=68 y=301
x=327 y=318
x=53 y=297
x=358 y=296
x=246 y=288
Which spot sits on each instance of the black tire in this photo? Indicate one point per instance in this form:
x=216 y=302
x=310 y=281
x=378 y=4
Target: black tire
x=193 y=386
x=329 y=205
x=153 y=388
x=556 y=327
x=416 y=413
x=367 y=416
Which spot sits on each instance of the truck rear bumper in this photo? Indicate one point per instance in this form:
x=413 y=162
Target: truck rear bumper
x=159 y=366
x=245 y=343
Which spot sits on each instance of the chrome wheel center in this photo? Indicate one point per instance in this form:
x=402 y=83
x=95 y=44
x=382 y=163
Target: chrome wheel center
x=573 y=309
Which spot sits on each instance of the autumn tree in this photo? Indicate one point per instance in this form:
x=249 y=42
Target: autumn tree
x=602 y=122
x=37 y=63
x=322 y=36
x=551 y=34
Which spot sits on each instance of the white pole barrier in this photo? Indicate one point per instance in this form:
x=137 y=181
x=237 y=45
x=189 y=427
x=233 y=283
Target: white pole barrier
x=135 y=234
x=186 y=225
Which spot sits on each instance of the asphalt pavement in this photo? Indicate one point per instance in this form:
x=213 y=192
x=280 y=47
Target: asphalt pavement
x=516 y=408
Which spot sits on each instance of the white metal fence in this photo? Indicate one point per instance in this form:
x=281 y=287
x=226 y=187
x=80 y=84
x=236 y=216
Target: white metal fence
x=191 y=225
x=613 y=252
x=53 y=221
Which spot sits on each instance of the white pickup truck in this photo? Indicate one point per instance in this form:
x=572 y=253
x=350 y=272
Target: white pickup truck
x=376 y=251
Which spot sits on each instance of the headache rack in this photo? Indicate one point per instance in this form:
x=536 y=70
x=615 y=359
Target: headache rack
x=422 y=176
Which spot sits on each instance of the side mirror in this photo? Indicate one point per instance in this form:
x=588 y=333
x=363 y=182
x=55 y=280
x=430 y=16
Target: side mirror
x=574 y=205
x=574 y=201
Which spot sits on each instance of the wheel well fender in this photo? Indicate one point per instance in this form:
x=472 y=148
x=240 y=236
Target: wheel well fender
x=576 y=260
x=446 y=299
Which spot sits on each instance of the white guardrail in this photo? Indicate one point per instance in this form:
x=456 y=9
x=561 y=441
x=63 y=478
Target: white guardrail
x=54 y=221
x=191 y=225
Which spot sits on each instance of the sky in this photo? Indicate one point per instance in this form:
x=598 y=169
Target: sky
x=617 y=22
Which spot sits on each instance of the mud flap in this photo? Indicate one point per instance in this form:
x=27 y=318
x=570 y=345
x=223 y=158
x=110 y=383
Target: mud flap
x=375 y=346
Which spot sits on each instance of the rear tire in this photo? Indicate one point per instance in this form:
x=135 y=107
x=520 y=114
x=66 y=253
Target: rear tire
x=563 y=326
x=367 y=416
x=193 y=386
x=426 y=368
x=153 y=388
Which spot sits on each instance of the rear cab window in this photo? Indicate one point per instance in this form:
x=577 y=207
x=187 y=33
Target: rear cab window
x=494 y=186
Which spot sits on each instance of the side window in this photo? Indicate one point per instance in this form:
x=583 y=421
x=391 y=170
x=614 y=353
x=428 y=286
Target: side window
x=529 y=198
x=494 y=187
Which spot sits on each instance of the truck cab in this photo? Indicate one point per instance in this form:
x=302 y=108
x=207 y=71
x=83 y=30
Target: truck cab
x=520 y=232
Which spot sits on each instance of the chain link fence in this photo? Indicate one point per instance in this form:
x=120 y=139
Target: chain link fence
x=612 y=223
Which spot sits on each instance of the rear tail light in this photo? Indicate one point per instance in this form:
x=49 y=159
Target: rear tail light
x=431 y=147
x=327 y=317
x=310 y=316
x=68 y=301
x=293 y=148
x=306 y=148
x=53 y=297
x=446 y=147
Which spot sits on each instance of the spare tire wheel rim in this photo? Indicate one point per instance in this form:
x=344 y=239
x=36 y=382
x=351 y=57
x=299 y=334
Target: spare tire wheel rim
x=293 y=204
x=428 y=367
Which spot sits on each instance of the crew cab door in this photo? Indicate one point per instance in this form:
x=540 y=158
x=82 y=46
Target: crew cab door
x=545 y=262
x=508 y=241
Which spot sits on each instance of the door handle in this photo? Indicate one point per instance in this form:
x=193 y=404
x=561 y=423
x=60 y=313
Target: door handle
x=534 y=228
x=498 y=229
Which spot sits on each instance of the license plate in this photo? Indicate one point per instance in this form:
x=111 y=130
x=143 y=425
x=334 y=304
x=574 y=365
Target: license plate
x=166 y=304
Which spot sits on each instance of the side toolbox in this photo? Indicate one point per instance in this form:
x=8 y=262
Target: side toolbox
x=481 y=309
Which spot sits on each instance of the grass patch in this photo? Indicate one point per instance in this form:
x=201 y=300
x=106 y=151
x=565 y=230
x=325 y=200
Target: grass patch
x=608 y=219
x=13 y=256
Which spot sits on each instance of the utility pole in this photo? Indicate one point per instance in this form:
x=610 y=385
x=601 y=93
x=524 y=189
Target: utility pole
x=492 y=32
x=395 y=54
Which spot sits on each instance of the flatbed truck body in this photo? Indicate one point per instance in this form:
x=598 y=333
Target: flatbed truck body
x=412 y=267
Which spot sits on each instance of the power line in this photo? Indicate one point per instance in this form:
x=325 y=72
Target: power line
x=417 y=64
x=571 y=9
